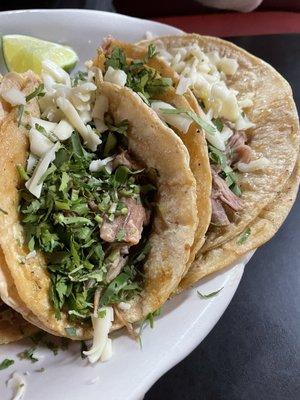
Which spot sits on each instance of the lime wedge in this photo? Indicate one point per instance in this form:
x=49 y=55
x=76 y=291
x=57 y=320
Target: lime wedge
x=21 y=53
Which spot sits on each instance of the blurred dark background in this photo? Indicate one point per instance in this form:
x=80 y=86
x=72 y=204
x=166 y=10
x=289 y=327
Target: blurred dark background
x=143 y=9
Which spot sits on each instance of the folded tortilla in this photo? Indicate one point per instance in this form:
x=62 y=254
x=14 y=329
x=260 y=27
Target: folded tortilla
x=174 y=225
x=193 y=140
x=262 y=229
x=275 y=135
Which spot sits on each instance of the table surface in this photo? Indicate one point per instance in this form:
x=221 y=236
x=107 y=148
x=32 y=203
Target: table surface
x=253 y=351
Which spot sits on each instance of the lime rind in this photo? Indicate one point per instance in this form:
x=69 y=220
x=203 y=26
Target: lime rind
x=21 y=53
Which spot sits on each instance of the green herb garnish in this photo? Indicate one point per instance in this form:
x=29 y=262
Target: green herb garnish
x=244 y=236
x=80 y=76
x=64 y=223
x=218 y=123
x=20 y=114
x=142 y=79
x=22 y=173
x=152 y=52
x=196 y=118
x=117 y=59
x=38 y=92
x=209 y=295
x=28 y=354
x=71 y=331
x=149 y=320
x=6 y=363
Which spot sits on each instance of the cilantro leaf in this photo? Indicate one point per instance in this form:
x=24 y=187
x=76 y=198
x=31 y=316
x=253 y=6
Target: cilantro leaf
x=28 y=354
x=38 y=92
x=152 y=52
x=64 y=224
x=71 y=331
x=244 y=236
x=21 y=109
x=117 y=59
x=196 y=118
x=218 y=123
x=209 y=295
x=149 y=320
x=6 y=363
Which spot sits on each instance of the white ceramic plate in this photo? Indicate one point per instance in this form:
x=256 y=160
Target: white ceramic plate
x=185 y=320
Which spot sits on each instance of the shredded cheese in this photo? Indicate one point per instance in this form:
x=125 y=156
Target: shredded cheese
x=88 y=135
x=14 y=97
x=56 y=72
x=63 y=130
x=181 y=122
x=101 y=348
x=99 y=109
x=206 y=75
x=39 y=144
x=116 y=76
x=35 y=183
x=96 y=165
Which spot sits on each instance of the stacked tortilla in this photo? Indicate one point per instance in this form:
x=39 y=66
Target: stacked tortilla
x=268 y=193
x=228 y=225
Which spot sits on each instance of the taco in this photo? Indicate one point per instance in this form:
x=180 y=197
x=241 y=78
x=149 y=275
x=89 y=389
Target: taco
x=96 y=228
x=140 y=70
x=253 y=140
x=262 y=229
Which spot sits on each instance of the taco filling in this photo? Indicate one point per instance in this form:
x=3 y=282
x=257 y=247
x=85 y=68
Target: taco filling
x=127 y=65
x=85 y=251
x=225 y=112
x=85 y=201
x=143 y=76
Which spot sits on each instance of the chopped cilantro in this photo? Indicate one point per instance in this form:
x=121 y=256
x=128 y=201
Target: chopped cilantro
x=20 y=114
x=152 y=52
x=38 y=92
x=22 y=173
x=117 y=59
x=121 y=235
x=101 y=314
x=149 y=320
x=219 y=158
x=209 y=295
x=28 y=354
x=218 y=123
x=64 y=224
x=150 y=317
x=71 y=331
x=142 y=79
x=196 y=118
x=244 y=236
x=80 y=76
x=6 y=363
